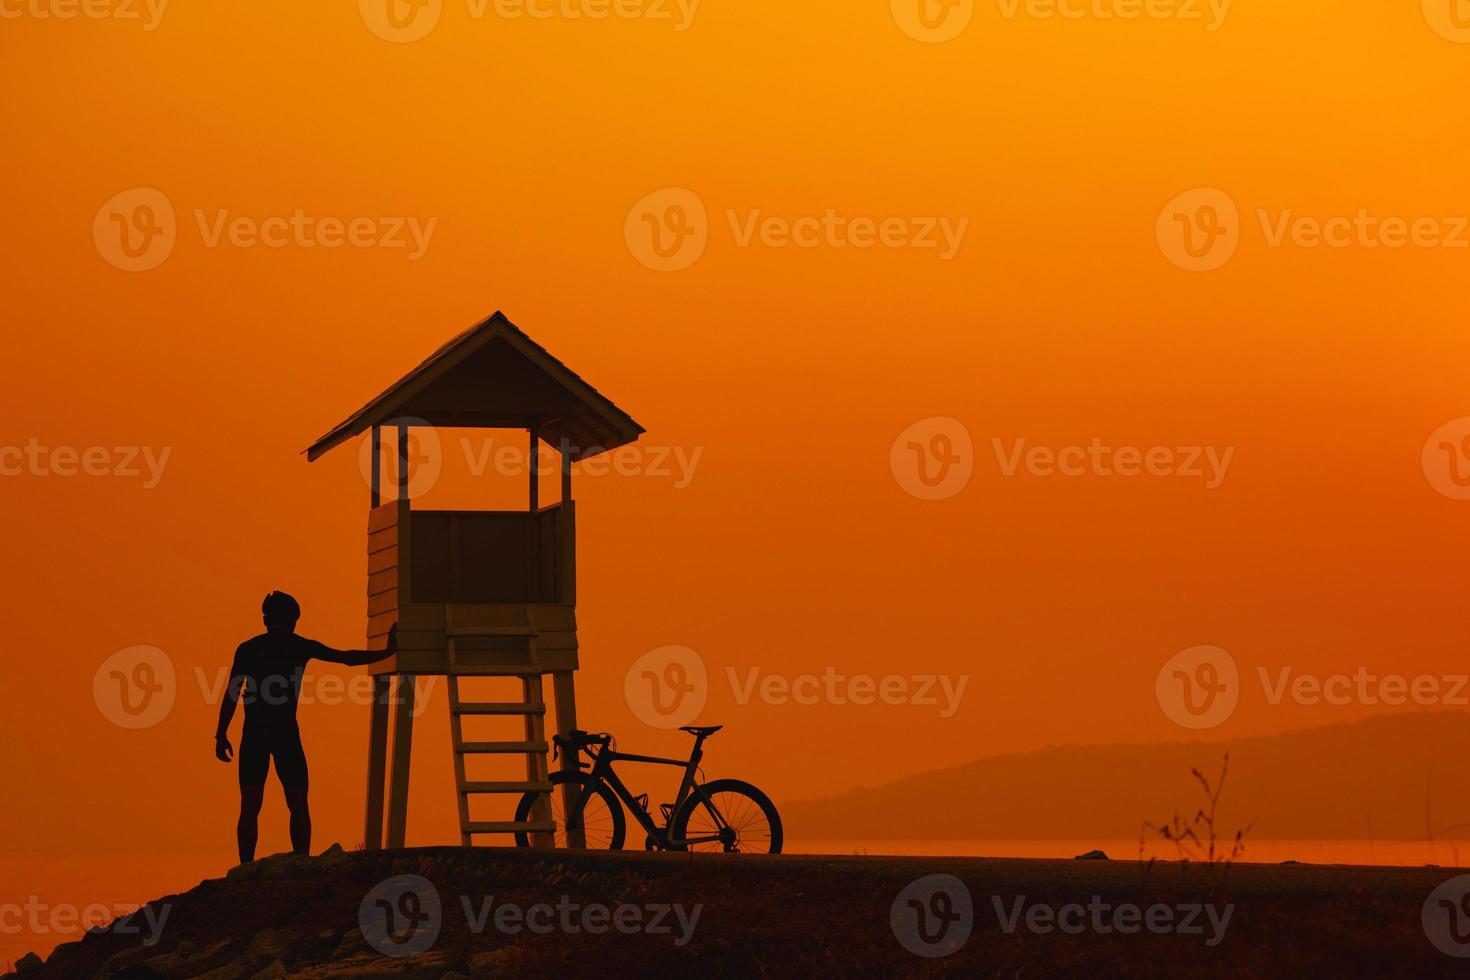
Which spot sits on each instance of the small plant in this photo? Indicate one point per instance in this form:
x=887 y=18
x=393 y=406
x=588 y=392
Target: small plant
x=1196 y=841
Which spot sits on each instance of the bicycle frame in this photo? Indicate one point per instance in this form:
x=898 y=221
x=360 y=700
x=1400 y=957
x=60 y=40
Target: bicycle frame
x=602 y=772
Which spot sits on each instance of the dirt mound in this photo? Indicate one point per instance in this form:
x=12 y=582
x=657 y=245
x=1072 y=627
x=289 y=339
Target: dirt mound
x=455 y=913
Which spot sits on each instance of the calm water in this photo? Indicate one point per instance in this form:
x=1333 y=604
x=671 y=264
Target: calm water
x=1409 y=853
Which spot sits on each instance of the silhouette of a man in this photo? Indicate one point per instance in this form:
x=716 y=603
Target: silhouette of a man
x=267 y=673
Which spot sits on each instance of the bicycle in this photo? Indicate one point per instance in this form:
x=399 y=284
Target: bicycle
x=727 y=815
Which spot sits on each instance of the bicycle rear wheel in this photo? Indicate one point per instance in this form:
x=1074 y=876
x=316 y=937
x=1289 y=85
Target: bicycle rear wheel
x=727 y=816
x=603 y=822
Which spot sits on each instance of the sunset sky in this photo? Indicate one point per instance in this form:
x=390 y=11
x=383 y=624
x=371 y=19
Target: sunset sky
x=783 y=361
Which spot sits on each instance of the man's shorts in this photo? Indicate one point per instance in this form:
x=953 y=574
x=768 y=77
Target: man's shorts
x=257 y=748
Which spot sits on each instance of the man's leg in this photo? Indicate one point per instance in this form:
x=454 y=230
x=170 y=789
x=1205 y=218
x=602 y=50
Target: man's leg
x=254 y=761
x=247 y=830
x=291 y=768
x=300 y=819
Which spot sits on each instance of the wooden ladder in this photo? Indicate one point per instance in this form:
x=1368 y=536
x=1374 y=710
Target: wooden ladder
x=531 y=707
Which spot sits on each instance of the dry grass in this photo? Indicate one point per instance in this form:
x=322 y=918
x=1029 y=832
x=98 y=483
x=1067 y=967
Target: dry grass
x=1197 y=840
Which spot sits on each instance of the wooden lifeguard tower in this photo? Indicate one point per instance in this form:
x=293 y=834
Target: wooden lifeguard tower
x=477 y=593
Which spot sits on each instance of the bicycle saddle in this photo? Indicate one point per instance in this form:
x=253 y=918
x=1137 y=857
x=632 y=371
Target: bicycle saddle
x=701 y=730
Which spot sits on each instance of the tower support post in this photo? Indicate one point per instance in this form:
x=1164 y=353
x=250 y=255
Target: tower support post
x=402 y=753
x=565 y=694
x=372 y=834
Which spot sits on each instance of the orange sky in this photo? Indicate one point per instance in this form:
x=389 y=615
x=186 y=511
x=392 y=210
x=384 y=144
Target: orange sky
x=792 y=370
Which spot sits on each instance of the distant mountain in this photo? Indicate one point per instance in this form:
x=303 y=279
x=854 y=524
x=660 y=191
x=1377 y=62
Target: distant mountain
x=1318 y=784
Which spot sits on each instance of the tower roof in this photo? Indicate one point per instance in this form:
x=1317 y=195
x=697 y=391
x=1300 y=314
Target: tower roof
x=494 y=376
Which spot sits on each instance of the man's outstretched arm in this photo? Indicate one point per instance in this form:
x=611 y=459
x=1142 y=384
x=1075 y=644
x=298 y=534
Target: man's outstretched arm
x=360 y=658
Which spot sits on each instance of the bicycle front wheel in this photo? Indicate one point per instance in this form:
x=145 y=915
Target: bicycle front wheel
x=727 y=816
x=602 y=821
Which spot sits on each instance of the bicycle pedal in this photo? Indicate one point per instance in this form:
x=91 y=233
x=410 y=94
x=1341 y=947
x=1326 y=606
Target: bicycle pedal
x=667 y=809
x=642 y=800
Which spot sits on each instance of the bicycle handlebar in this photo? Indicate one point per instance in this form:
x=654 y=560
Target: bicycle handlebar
x=582 y=740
